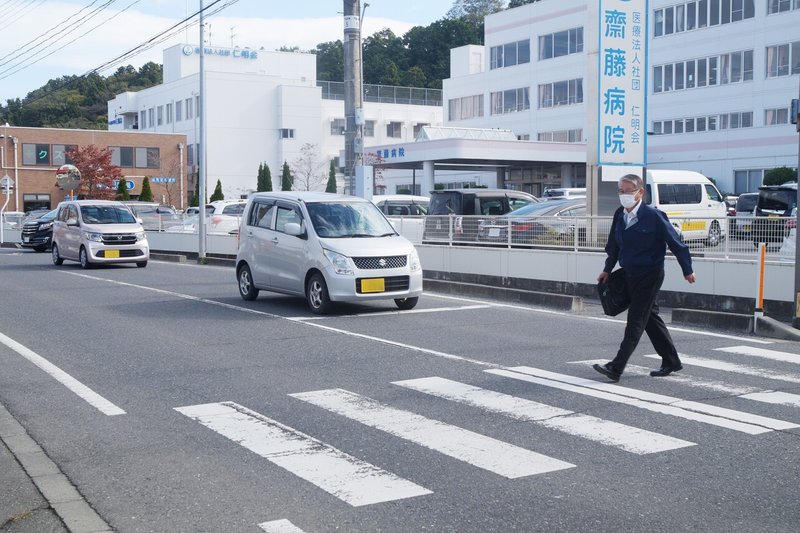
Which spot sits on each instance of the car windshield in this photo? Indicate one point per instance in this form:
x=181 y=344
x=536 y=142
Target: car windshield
x=348 y=219
x=106 y=214
x=746 y=203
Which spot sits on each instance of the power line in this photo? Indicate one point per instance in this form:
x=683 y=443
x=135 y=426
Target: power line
x=22 y=13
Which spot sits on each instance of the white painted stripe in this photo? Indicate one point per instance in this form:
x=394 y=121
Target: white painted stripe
x=606 y=432
x=280 y=526
x=775 y=397
x=395 y=312
x=473 y=448
x=734 y=367
x=646 y=396
x=349 y=479
x=761 y=352
x=83 y=392
x=525 y=374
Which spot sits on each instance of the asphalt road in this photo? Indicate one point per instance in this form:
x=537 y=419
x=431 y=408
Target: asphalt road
x=173 y=405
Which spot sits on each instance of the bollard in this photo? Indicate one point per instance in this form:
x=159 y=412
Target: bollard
x=759 y=310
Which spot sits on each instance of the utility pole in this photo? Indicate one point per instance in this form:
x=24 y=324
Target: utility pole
x=353 y=93
x=201 y=148
x=795 y=108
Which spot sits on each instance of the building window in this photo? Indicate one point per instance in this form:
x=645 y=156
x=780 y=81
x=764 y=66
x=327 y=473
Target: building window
x=169 y=113
x=287 y=133
x=178 y=110
x=61 y=154
x=465 y=107
x=563 y=136
x=122 y=156
x=151 y=117
x=779 y=6
x=735 y=67
x=510 y=101
x=561 y=43
x=418 y=128
x=561 y=93
x=747 y=180
x=36 y=154
x=190 y=154
x=783 y=60
x=773 y=117
x=197 y=108
x=707 y=123
x=394 y=129
x=160 y=115
x=142 y=119
x=688 y=16
x=408 y=188
x=369 y=128
x=189 y=113
x=147 y=158
x=337 y=126
x=510 y=54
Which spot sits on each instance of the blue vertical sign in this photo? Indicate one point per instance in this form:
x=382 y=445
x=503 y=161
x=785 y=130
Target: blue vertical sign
x=622 y=83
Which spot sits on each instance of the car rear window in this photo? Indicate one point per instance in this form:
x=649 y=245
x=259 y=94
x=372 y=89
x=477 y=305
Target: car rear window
x=445 y=203
x=746 y=203
x=777 y=199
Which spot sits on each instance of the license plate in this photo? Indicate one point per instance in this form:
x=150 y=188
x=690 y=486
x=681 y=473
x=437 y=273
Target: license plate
x=373 y=285
x=773 y=215
x=494 y=232
x=112 y=254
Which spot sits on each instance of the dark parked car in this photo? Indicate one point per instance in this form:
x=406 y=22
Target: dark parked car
x=37 y=233
x=743 y=221
x=463 y=208
x=774 y=205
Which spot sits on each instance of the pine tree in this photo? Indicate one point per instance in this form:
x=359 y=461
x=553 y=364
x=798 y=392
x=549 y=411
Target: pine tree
x=286 y=178
x=193 y=202
x=217 y=193
x=122 y=190
x=146 y=195
x=267 y=179
x=331 y=178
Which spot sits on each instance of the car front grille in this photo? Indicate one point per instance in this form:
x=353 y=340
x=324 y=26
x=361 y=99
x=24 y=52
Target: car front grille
x=30 y=230
x=390 y=284
x=376 y=263
x=123 y=253
x=119 y=238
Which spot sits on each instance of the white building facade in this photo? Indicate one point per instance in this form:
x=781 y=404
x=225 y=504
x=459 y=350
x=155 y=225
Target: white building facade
x=263 y=107
x=722 y=76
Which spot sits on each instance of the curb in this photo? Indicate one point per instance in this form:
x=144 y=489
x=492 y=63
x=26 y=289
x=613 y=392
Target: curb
x=62 y=496
x=562 y=302
x=769 y=327
x=761 y=326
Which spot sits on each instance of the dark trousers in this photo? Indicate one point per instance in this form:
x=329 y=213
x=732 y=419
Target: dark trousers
x=643 y=317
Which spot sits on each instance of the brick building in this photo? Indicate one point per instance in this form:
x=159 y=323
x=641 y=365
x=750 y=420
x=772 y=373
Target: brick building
x=31 y=156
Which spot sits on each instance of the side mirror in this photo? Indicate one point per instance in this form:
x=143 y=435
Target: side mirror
x=139 y=220
x=293 y=228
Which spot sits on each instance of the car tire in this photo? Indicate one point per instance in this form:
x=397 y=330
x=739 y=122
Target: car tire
x=406 y=303
x=83 y=259
x=714 y=234
x=57 y=259
x=247 y=290
x=317 y=295
x=141 y=264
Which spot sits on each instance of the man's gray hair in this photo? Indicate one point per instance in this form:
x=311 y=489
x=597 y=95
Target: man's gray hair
x=634 y=180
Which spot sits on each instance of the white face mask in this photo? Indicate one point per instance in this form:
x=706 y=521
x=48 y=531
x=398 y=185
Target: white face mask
x=627 y=200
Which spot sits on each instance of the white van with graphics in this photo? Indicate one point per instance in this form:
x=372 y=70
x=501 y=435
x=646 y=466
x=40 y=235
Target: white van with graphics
x=691 y=201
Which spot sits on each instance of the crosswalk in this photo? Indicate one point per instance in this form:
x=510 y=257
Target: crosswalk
x=357 y=482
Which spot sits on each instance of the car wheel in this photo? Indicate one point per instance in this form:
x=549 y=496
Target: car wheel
x=141 y=264
x=714 y=235
x=83 y=257
x=317 y=295
x=246 y=287
x=57 y=260
x=406 y=303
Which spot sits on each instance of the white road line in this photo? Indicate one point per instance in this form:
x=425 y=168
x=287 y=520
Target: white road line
x=351 y=480
x=473 y=448
x=280 y=526
x=775 y=397
x=606 y=432
x=734 y=367
x=761 y=352
x=83 y=392
x=622 y=395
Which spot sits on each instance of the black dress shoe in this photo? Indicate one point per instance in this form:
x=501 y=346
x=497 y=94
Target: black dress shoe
x=665 y=371
x=607 y=371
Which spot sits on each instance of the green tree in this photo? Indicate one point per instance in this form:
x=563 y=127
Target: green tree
x=779 y=176
x=286 y=178
x=474 y=11
x=193 y=201
x=147 y=194
x=429 y=47
x=264 y=178
x=330 y=61
x=217 y=196
x=122 y=190
x=517 y=3
x=385 y=57
x=331 y=187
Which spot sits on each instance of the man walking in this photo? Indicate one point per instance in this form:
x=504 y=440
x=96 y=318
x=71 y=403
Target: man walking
x=638 y=239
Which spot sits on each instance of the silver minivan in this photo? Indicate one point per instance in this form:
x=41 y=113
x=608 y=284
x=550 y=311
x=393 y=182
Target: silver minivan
x=324 y=247
x=98 y=231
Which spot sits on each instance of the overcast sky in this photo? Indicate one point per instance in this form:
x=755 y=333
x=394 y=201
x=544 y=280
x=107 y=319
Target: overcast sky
x=36 y=35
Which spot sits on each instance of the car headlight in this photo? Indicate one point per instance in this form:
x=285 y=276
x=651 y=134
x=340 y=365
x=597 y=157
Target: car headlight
x=91 y=236
x=140 y=235
x=46 y=225
x=341 y=264
x=413 y=261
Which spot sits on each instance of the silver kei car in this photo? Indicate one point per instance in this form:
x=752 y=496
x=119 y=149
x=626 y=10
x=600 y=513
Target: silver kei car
x=326 y=248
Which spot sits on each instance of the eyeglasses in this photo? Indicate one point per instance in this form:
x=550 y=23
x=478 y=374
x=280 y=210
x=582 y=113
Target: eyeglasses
x=632 y=191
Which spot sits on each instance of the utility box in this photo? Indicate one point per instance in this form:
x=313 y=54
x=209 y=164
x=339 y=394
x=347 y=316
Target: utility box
x=364 y=185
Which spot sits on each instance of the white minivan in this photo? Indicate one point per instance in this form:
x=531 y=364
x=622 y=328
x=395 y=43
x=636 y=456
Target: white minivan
x=691 y=201
x=324 y=247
